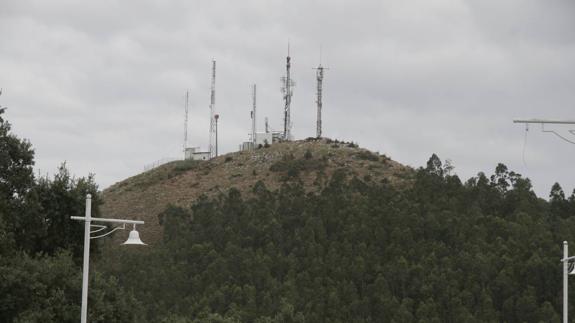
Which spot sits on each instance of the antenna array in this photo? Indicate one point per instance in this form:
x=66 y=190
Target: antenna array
x=186 y=122
x=254 y=116
x=319 y=77
x=287 y=85
x=212 y=111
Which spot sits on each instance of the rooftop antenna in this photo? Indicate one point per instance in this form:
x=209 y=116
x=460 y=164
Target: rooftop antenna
x=287 y=85
x=254 y=116
x=319 y=78
x=212 y=112
x=186 y=123
x=267 y=126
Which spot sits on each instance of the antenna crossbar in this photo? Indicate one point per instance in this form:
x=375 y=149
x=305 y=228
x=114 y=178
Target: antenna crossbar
x=543 y=121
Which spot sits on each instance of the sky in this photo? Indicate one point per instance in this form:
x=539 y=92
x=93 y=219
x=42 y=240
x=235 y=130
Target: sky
x=100 y=85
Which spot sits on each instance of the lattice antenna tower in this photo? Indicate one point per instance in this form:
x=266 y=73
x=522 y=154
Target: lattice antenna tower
x=319 y=94
x=254 y=116
x=213 y=111
x=287 y=90
x=186 y=121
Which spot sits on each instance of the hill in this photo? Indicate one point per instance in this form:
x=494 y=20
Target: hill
x=417 y=246
x=311 y=162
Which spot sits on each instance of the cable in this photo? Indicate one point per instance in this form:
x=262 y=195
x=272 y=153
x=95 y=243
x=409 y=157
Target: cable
x=525 y=144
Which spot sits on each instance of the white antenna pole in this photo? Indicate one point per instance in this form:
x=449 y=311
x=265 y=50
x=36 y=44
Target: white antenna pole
x=319 y=95
x=212 y=111
x=254 y=116
x=186 y=124
x=318 y=99
x=288 y=92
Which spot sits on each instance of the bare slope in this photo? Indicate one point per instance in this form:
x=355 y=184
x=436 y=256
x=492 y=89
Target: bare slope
x=180 y=183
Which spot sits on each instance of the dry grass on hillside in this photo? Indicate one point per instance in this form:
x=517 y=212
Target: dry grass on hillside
x=180 y=183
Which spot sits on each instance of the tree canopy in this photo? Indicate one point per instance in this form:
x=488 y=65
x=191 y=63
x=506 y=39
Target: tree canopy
x=41 y=248
x=439 y=250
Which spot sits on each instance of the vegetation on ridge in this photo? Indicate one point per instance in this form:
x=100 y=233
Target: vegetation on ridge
x=486 y=250
x=357 y=249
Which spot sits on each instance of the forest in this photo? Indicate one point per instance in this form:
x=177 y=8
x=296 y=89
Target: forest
x=440 y=249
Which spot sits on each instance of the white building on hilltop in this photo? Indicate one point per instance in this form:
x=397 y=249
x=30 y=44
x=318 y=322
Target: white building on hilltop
x=193 y=153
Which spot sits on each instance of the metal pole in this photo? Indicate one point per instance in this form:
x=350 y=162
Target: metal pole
x=85 y=270
x=545 y=121
x=565 y=292
x=216 y=117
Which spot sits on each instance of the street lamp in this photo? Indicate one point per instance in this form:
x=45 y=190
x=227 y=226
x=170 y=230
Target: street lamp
x=566 y=259
x=134 y=238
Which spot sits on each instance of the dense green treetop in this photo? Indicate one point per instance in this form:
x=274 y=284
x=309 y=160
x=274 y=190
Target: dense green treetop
x=486 y=250
x=41 y=248
x=355 y=250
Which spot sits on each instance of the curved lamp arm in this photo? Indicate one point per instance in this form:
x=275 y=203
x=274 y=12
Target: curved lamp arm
x=107 y=233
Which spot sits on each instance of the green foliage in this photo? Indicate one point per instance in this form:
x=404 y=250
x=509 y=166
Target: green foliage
x=291 y=167
x=40 y=246
x=367 y=155
x=183 y=166
x=48 y=289
x=438 y=251
x=17 y=205
x=59 y=199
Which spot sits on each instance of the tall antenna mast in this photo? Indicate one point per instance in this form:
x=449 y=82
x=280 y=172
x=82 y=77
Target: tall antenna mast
x=212 y=111
x=186 y=122
x=287 y=85
x=254 y=116
x=319 y=77
x=267 y=126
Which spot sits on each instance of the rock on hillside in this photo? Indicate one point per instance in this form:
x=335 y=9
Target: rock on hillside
x=180 y=183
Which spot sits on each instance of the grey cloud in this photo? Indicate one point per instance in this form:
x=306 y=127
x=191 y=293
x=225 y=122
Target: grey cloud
x=101 y=84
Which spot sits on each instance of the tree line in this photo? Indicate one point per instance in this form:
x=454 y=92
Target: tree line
x=357 y=250
x=438 y=250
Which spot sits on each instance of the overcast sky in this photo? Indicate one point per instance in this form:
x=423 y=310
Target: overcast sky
x=101 y=84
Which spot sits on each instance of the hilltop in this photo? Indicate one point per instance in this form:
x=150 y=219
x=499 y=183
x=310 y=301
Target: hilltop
x=181 y=183
x=406 y=246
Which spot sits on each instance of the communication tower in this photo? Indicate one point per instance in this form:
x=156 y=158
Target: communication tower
x=213 y=112
x=318 y=100
x=186 y=122
x=254 y=116
x=287 y=90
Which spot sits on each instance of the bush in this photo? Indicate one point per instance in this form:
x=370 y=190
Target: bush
x=367 y=155
x=292 y=167
x=185 y=165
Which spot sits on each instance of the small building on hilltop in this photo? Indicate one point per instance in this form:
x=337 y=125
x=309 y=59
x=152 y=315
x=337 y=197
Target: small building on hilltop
x=194 y=153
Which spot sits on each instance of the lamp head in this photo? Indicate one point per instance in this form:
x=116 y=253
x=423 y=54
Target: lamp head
x=134 y=237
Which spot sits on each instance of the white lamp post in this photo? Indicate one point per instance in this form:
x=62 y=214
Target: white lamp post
x=566 y=259
x=134 y=238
